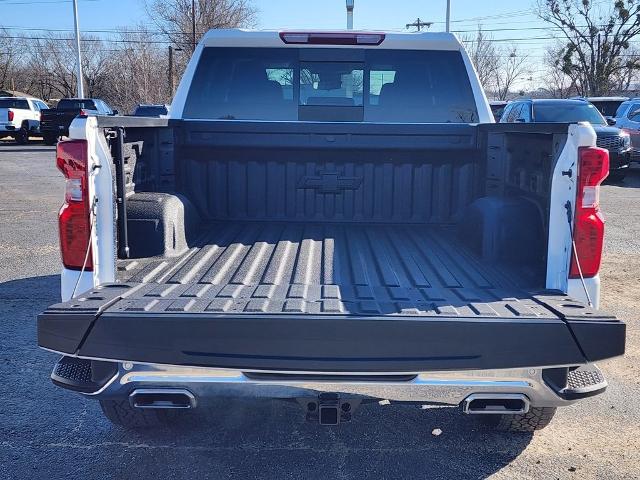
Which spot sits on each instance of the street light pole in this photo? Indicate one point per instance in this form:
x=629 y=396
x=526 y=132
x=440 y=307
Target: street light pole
x=448 y=16
x=80 y=88
x=350 y=5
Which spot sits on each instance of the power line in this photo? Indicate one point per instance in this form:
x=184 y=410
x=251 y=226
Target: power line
x=161 y=32
x=106 y=40
x=40 y=2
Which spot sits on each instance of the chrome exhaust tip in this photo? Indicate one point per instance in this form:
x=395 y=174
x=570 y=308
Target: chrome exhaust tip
x=496 y=404
x=162 y=398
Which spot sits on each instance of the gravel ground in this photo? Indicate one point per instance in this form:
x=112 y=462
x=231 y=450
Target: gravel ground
x=46 y=432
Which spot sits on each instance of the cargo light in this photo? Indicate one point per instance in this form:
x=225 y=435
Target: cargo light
x=74 y=217
x=588 y=230
x=332 y=38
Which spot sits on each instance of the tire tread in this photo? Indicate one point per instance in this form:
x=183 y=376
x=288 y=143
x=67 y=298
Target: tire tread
x=535 y=419
x=120 y=412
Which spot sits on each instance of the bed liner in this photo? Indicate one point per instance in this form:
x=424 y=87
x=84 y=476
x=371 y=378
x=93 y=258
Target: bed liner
x=338 y=268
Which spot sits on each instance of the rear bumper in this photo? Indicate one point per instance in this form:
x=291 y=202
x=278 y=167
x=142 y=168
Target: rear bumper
x=60 y=130
x=6 y=129
x=440 y=388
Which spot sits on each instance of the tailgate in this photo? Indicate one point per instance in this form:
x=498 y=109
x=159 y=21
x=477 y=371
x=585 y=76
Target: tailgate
x=55 y=119
x=4 y=117
x=188 y=325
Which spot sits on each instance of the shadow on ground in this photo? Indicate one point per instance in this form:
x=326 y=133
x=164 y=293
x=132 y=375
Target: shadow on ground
x=32 y=148
x=631 y=180
x=52 y=433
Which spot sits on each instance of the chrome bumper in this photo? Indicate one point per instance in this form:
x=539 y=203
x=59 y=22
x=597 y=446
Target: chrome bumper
x=445 y=388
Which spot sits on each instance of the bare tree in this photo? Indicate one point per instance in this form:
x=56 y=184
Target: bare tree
x=512 y=70
x=485 y=57
x=598 y=36
x=623 y=80
x=129 y=68
x=138 y=71
x=11 y=56
x=52 y=61
x=555 y=81
x=175 y=17
x=48 y=67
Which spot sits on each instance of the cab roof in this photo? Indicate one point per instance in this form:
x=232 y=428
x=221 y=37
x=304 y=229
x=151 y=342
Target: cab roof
x=272 y=39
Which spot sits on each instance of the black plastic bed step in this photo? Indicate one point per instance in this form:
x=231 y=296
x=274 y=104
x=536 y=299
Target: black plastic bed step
x=576 y=383
x=584 y=381
x=82 y=375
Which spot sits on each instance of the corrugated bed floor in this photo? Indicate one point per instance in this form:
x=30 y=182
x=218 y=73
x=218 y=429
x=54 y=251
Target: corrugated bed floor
x=321 y=268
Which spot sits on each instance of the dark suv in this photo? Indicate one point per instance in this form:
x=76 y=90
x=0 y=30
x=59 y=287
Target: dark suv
x=617 y=142
x=627 y=118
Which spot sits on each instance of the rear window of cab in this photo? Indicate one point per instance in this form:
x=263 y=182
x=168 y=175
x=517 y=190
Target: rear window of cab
x=288 y=84
x=17 y=103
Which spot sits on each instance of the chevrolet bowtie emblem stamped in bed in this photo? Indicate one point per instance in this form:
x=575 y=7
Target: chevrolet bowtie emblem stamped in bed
x=330 y=183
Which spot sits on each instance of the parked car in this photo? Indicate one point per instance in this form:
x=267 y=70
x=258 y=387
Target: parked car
x=56 y=121
x=497 y=107
x=160 y=111
x=607 y=106
x=627 y=118
x=20 y=117
x=616 y=141
x=331 y=243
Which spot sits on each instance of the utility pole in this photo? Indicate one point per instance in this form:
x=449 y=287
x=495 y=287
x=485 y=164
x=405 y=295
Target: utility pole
x=193 y=25
x=80 y=89
x=418 y=24
x=171 y=70
x=448 y=16
x=350 y=5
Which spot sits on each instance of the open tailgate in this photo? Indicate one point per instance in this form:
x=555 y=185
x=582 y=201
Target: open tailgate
x=193 y=325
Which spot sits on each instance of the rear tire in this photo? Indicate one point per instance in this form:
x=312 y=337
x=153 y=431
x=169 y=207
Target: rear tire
x=49 y=139
x=22 y=135
x=535 y=419
x=120 y=412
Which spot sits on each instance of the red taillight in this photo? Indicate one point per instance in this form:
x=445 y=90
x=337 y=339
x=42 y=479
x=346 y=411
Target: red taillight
x=10 y=115
x=74 y=217
x=588 y=230
x=332 y=38
x=83 y=113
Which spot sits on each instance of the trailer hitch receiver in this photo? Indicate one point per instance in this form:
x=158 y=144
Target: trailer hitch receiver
x=329 y=408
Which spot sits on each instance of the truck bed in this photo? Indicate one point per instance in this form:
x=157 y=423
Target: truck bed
x=269 y=296
x=268 y=267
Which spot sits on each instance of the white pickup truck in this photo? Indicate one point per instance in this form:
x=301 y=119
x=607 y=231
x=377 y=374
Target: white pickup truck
x=331 y=218
x=20 y=117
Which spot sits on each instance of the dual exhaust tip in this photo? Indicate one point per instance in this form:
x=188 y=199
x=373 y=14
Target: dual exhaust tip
x=494 y=404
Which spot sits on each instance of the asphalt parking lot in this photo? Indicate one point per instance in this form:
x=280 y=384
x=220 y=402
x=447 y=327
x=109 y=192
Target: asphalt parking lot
x=46 y=432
